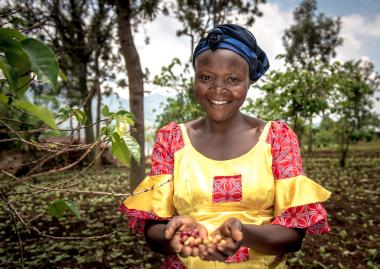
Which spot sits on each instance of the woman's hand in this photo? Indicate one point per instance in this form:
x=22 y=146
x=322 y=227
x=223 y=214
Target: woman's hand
x=174 y=231
x=227 y=239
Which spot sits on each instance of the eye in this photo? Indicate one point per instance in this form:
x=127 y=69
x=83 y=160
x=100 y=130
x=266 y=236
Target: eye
x=233 y=80
x=205 y=77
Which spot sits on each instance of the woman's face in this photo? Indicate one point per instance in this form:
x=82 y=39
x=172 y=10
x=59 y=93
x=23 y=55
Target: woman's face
x=221 y=83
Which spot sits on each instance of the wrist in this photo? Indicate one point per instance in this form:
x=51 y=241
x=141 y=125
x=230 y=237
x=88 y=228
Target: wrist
x=244 y=242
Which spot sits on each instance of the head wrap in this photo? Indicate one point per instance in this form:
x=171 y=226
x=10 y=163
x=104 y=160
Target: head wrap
x=237 y=39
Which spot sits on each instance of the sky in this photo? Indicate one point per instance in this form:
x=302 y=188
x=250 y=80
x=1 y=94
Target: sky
x=360 y=31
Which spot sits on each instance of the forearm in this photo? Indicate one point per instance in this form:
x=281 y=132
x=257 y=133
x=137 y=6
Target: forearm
x=154 y=236
x=272 y=239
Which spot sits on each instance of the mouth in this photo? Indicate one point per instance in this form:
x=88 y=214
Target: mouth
x=218 y=102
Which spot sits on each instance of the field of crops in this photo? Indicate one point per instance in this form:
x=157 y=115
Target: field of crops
x=354 y=215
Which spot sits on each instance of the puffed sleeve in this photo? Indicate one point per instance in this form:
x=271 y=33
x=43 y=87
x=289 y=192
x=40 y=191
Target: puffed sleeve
x=153 y=197
x=297 y=202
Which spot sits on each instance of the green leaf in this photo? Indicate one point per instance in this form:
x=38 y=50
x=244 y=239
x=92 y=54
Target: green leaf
x=43 y=60
x=133 y=147
x=17 y=65
x=9 y=71
x=127 y=116
x=80 y=116
x=9 y=38
x=16 y=21
x=121 y=125
x=120 y=149
x=104 y=131
x=62 y=75
x=58 y=207
x=72 y=206
x=40 y=112
x=105 y=111
x=4 y=99
x=64 y=112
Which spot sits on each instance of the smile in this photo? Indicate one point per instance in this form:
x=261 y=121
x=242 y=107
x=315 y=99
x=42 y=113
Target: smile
x=216 y=102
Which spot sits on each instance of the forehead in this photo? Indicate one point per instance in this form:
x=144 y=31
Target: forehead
x=221 y=58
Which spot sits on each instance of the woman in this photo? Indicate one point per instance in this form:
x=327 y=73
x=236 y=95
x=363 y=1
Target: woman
x=231 y=176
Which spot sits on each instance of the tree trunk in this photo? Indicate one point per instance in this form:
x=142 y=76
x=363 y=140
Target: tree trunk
x=297 y=129
x=136 y=85
x=97 y=90
x=310 y=138
x=343 y=156
x=86 y=95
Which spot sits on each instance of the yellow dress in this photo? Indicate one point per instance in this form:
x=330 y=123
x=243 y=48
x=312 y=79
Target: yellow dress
x=212 y=191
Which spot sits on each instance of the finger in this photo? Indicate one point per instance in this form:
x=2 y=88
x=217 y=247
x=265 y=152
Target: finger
x=172 y=226
x=216 y=239
x=237 y=231
x=217 y=256
x=221 y=246
x=203 y=233
x=230 y=248
x=225 y=230
x=177 y=248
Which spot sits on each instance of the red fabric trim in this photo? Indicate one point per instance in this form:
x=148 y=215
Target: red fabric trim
x=312 y=217
x=168 y=141
x=172 y=262
x=287 y=161
x=240 y=256
x=137 y=218
x=227 y=189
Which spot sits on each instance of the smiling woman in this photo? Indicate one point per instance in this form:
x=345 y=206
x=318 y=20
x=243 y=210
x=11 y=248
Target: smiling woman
x=221 y=83
x=237 y=196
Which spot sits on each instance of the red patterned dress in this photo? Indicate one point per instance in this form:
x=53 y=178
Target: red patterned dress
x=267 y=185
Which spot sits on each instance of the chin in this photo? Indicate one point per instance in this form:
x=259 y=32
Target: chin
x=219 y=118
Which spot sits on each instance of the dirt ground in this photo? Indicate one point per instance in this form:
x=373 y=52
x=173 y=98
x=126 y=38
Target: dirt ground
x=354 y=216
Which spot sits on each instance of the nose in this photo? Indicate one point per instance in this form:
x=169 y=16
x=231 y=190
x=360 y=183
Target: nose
x=218 y=86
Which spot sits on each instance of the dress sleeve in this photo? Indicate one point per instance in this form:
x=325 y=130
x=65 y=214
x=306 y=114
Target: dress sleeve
x=153 y=197
x=297 y=202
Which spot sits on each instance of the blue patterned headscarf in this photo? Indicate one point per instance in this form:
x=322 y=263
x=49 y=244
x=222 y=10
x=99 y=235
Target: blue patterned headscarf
x=237 y=39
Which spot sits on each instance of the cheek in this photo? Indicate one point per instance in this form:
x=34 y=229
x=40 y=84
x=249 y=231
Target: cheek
x=199 y=90
x=240 y=93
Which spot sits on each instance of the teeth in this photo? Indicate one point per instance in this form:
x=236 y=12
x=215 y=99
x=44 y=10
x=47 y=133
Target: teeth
x=216 y=102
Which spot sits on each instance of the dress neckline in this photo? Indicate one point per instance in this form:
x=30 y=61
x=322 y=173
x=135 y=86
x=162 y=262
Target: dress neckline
x=187 y=141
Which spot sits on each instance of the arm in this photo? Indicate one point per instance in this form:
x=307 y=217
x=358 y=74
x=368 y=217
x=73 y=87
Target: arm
x=154 y=236
x=272 y=239
x=267 y=239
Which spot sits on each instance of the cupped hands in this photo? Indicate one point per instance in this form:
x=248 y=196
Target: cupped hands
x=190 y=238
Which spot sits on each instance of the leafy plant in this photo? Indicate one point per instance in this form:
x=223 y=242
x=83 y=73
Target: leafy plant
x=21 y=59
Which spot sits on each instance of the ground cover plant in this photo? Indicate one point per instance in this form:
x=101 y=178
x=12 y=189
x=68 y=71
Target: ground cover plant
x=353 y=215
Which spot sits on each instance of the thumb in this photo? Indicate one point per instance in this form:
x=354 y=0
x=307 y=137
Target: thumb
x=237 y=230
x=171 y=227
x=203 y=233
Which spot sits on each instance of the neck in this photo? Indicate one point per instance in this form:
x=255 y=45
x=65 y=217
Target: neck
x=224 y=127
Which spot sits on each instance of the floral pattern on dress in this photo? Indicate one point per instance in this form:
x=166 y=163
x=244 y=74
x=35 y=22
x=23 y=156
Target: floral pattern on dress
x=137 y=218
x=172 y=262
x=227 y=189
x=287 y=163
x=240 y=256
x=168 y=141
x=287 y=160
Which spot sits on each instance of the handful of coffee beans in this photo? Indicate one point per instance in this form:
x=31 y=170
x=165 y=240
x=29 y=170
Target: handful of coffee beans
x=191 y=238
